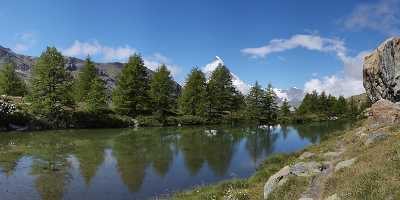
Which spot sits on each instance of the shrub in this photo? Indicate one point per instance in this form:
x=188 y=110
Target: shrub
x=99 y=120
x=148 y=121
x=191 y=120
x=7 y=109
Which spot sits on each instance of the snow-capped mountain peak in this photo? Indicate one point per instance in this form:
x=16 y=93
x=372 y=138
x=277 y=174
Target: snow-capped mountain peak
x=236 y=81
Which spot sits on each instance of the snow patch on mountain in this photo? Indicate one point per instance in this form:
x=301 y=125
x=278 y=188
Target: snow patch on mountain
x=240 y=85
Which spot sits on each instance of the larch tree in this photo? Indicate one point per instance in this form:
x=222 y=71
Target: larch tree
x=51 y=85
x=131 y=94
x=193 y=98
x=162 y=93
x=10 y=83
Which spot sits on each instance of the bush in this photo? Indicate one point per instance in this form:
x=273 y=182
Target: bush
x=146 y=121
x=7 y=109
x=191 y=120
x=99 y=120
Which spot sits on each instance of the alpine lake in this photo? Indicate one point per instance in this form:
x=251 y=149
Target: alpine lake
x=141 y=163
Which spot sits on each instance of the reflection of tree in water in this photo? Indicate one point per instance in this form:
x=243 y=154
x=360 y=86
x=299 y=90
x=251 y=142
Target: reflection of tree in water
x=161 y=153
x=50 y=164
x=134 y=151
x=130 y=152
x=198 y=146
x=259 y=141
x=191 y=145
x=317 y=131
x=285 y=131
x=89 y=150
x=218 y=151
x=12 y=148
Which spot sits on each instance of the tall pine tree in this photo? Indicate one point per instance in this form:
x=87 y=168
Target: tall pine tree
x=10 y=83
x=51 y=85
x=221 y=94
x=85 y=77
x=162 y=93
x=270 y=106
x=254 y=102
x=96 y=100
x=285 y=109
x=193 y=98
x=131 y=94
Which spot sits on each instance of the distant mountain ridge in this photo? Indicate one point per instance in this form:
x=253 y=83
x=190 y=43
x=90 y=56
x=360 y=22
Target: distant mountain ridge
x=107 y=71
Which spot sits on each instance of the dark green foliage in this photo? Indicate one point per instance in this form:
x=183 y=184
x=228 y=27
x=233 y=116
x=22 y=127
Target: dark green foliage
x=81 y=119
x=318 y=107
x=10 y=83
x=221 y=94
x=131 y=95
x=255 y=102
x=51 y=86
x=193 y=98
x=162 y=93
x=284 y=111
x=96 y=100
x=191 y=120
x=84 y=80
x=270 y=106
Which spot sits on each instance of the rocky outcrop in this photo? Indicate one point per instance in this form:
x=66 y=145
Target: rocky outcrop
x=381 y=72
x=384 y=112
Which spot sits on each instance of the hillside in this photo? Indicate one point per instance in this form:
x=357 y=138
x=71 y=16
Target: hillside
x=24 y=63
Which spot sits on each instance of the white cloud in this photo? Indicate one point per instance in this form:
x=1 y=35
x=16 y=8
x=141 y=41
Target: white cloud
x=107 y=54
x=347 y=82
x=121 y=54
x=382 y=16
x=25 y=41
x=310 y=42
x=155 y=60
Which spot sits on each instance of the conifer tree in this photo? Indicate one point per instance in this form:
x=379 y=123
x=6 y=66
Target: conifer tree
x=96 y=100
x=84 y=80
x=193 y=98
x=285 y=109
x=341 y=106
x=131 y=94
x=51 y=85
x=270 y=111
x=10 y=83
x=162 y=93
x=254 y=102
x=222 y=95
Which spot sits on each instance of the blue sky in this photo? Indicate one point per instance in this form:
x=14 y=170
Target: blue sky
x=308 y=44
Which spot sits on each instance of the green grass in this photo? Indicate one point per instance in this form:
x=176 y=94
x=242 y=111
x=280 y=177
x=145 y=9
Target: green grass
x=241 y=189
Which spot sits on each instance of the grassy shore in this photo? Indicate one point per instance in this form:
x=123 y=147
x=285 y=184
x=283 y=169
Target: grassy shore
x=374 y=175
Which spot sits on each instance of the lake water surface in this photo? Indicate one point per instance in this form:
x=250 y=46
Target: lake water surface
x=141 y=163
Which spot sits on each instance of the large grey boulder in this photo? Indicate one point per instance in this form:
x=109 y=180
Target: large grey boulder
x=381 y=71
x=304 y=169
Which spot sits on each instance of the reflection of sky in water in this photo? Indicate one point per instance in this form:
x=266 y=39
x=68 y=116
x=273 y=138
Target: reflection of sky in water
x=212 y=159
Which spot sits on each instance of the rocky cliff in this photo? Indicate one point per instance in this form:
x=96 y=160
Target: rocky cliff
x=381 y=72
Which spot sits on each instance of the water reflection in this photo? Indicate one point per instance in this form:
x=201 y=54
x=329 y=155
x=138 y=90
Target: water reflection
x=138 y=164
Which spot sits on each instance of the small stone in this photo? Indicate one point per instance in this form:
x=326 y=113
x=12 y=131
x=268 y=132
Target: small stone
x=372 y=138
x=333 y=197
x=332 y=154
x=306 y=155
x=306 y=168
x=343 y=164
